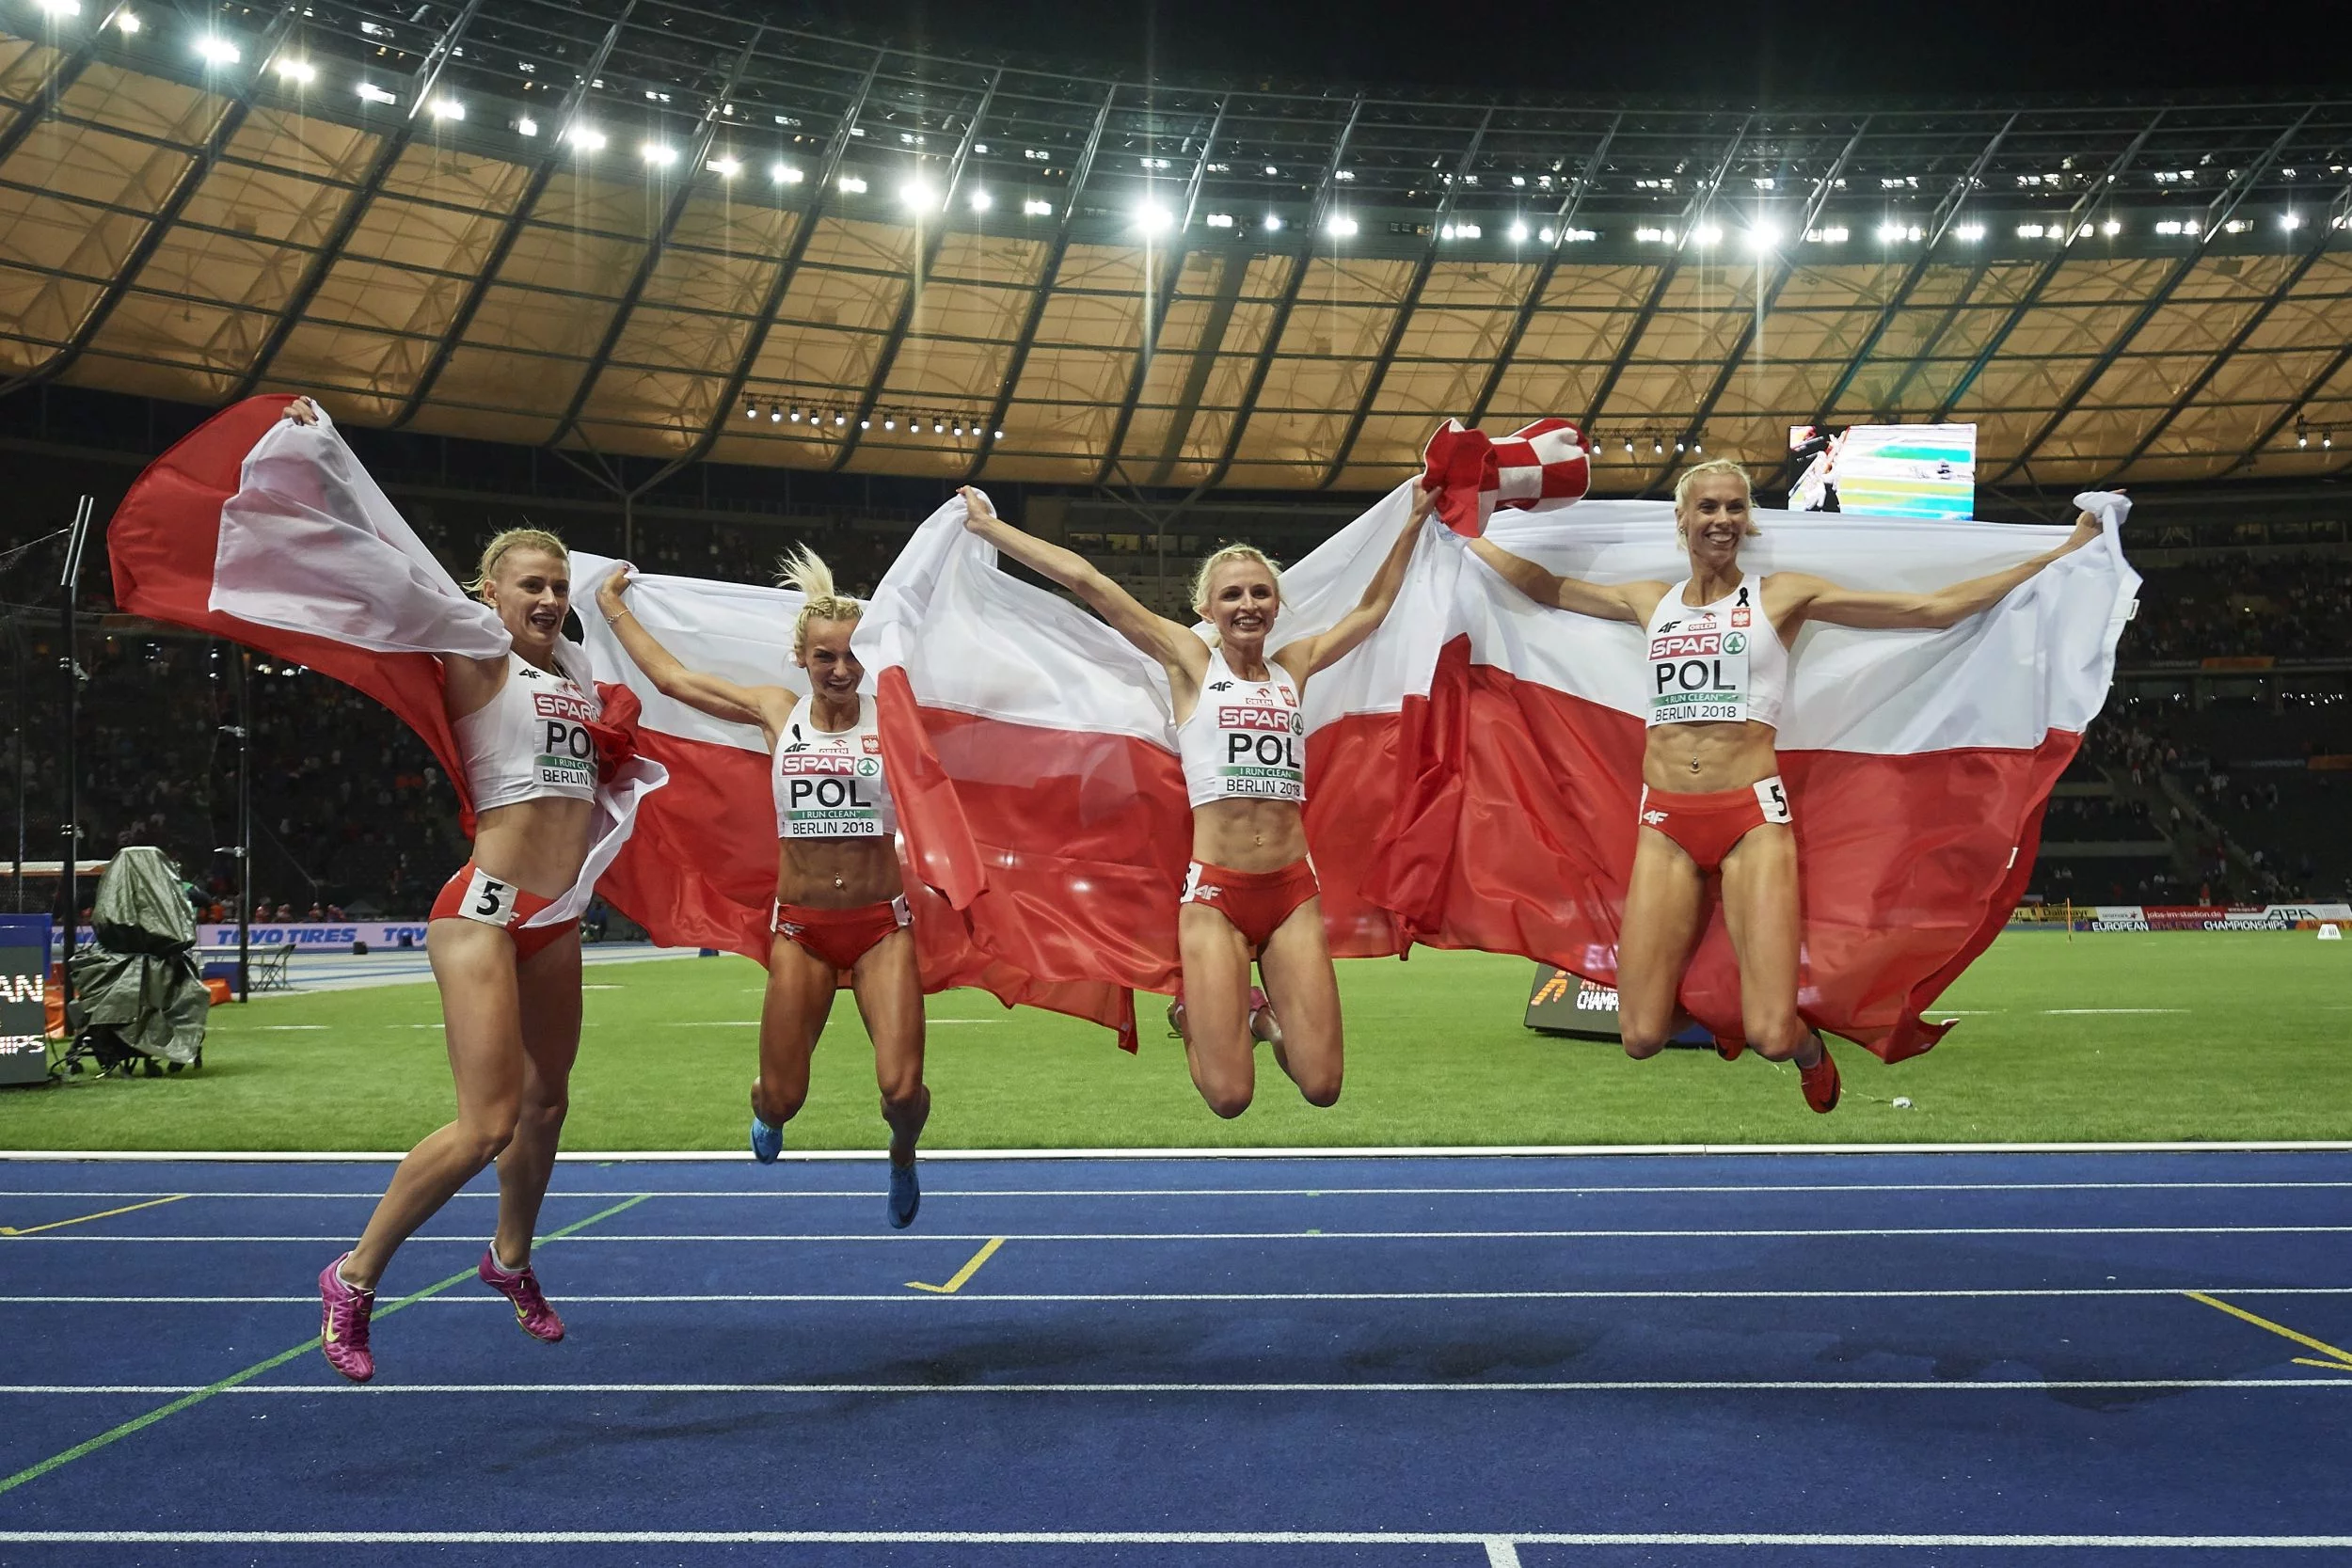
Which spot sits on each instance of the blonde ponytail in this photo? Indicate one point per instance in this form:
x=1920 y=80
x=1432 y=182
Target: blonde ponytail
x=805 y=572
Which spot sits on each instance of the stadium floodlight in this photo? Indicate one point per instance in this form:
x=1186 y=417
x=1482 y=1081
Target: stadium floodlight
x=751 y=410
x=775 y=413
x=1548 y=235
x=796 y=414
x=852 y=184
x=1341 y=226
x=725 y=169
x=2029 y=230
x=1969 y=232
x=1518 y=233
x=997 y=436
x=958 y=430
x=1657 y=446
x=919 y=197
x=1271 y=170
x=444 y=108
x=1628 y=446
x=214 y=50
x=1272 y=225
x=526 y=126
x=587 y=138
x=1152 y=218
x=370 y=93
x=1037 y=209
x=657 y=155
x=785 y=174
x=890 y=421
x=1220 y=220
x=1763 y=236
x=1706 y=234
x=1697 y=448
x=866 y=424
x=1654 y=236
x=292 y=67
x=1890 y=232
x=980 y=200
x=1467 y=231
x=2111 y=228
x=839 y=418
x=2290 y=220
x=939 y=426
x=128 y=20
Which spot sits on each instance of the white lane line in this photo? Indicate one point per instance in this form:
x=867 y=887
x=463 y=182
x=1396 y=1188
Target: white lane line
x=1502 y=1554
x=836 y=1390
x=1326 y=1152
x=1081 y=1297
x=1588 y=1190
x=701 y=1238
x=2067 y=1012
x=1150 y=1538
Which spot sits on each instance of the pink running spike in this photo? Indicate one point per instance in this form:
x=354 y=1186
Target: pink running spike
x=521 y=1287
x=343 y=1314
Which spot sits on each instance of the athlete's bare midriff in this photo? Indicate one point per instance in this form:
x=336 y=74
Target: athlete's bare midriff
x=1249 y=836
x=1699 y=759
x=539 y=845
x=837 y=873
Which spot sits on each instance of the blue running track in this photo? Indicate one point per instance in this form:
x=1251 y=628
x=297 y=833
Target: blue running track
x=1829 y=1360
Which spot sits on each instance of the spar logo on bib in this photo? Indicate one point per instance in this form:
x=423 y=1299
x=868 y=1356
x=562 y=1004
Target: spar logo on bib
x=1735 y=643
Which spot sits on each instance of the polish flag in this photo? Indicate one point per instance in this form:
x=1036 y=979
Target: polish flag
x=1918 y=763
x=1538 y=468
x=271 y=534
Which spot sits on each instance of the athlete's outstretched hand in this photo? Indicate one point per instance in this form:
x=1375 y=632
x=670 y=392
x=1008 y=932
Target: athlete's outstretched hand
x=976 y=512
x=2086 y=528
x=303 y=411
x=609 y=592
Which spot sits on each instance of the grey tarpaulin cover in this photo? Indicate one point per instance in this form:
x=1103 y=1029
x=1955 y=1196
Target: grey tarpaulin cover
x=141 y=978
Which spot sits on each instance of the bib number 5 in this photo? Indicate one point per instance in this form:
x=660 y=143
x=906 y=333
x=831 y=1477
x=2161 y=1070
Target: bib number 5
x=489 y=900
x=1773 y=799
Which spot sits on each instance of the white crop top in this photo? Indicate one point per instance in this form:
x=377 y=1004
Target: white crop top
x=831 y=783
x=1716 y=663
x=531 y=740
x=1246 y=739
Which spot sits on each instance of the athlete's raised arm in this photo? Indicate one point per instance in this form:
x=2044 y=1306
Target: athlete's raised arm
x=1818 y=599
x=769 y=707
x=1310 y=654
x=1613 y=601
x=1172 y=646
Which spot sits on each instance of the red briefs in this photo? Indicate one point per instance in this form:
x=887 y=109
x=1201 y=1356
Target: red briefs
x=473 y=894
x=840 y=937
x=1708 y=824
x=1256 y=902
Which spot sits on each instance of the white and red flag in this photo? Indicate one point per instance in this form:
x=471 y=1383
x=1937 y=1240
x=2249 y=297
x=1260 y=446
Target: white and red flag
x=271 y=534
x=1538 y=468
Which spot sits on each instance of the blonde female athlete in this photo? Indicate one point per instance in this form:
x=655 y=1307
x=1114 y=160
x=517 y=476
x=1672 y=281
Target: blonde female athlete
x=1241 y=735
x=1712 y=804
x=510 y=994
x=840 y=902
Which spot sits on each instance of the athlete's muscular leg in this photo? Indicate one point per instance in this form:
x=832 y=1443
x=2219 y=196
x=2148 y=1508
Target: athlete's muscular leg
x=548 y=987
x=1297 y=963
x=474 y=965
x=889 y=991
x=1218 y=1045
x=1767 y=929
x=791 y=1016
x=1665 y=900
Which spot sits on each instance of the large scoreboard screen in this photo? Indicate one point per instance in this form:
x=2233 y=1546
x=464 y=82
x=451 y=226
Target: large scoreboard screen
x=1894 y=470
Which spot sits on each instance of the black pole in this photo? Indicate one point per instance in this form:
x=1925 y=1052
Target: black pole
x=68 y=882
x=23 y=751
x=245 y=829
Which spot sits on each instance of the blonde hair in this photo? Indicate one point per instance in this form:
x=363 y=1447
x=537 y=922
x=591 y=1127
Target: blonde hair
x=1233 y=552
x=513 y=539
x=804 y=571
x=1697 y=471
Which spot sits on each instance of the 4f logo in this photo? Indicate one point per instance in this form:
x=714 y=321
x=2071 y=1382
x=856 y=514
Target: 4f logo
x=1654 y=817
x=1220 y=686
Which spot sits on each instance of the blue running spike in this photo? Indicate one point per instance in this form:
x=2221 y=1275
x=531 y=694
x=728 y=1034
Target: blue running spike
x=906 y=1196
x=766 y=1142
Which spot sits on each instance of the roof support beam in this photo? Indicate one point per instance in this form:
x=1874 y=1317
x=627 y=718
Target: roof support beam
x=1018 y=357
x=932 y=233
x=560 y=131
x=2098 y=191
x=1233 y=273
x=159 y=226
x=2218 y=212
x=2337 y=209
x=43 y=100
x=1160 y=298
x=825 y=179
x=1781 y=267
x=1300 y=259
x=387 y=156
x=696 y=155
x=1693 y=211
x=1571 y=207
x=1406 y=306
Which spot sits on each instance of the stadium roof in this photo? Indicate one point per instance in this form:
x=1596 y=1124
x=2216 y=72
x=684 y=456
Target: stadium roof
x=660 y=230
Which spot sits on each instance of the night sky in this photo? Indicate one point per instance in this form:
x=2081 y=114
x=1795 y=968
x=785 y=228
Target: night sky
x=1738 y=52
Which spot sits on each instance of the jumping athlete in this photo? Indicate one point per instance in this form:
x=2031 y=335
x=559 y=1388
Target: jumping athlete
x=1250 y=892
x=840 y=906
x=510 y=992
x=1712 y=803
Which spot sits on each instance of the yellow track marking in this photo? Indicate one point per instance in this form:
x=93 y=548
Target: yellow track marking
x=962 y=1274
x=85 y=1219
x=2343 y=1362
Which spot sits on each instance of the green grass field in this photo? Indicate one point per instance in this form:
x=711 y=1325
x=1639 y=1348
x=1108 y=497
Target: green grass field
x=2244 y=1036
